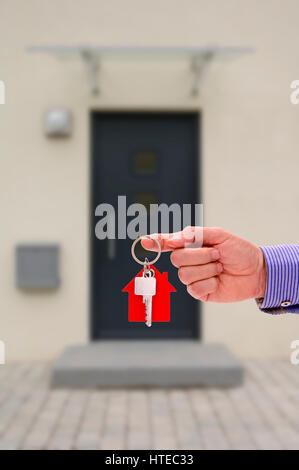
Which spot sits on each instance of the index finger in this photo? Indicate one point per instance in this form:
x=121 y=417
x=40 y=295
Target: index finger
x=193 y=256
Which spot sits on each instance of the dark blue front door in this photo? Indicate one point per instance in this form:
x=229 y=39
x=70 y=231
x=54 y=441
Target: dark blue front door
x=150 y=158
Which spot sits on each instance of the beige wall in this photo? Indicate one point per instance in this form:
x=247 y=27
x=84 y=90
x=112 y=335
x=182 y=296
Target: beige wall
x=249 y=144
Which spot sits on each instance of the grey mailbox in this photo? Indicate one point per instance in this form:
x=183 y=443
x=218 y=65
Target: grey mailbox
x=37 y=266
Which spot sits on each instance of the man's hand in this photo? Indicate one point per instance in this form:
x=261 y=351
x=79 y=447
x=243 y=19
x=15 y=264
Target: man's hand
x=226 y=269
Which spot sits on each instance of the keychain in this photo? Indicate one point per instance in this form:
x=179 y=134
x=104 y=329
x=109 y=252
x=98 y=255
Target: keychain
x=149 y=291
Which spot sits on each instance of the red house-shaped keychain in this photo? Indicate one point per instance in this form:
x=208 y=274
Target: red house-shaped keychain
x=160 y=301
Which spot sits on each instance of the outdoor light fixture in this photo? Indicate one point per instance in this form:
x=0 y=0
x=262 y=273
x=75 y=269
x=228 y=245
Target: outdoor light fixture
x=58 y=122
x=92 y=56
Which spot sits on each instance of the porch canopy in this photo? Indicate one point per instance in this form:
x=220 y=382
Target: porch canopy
x=93 y=56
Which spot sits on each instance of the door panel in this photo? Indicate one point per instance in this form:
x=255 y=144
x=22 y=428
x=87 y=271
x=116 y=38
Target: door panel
x=150 y=158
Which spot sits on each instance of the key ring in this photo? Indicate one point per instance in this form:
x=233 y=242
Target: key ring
x=146 y=262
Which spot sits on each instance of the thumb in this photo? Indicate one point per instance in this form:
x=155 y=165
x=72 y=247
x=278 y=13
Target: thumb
x=213 y=235
x=196 y=236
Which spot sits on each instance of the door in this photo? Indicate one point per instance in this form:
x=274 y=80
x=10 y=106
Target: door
x=149 y=158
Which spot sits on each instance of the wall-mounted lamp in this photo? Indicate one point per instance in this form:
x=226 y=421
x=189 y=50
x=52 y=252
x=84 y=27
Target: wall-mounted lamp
x=58 y=122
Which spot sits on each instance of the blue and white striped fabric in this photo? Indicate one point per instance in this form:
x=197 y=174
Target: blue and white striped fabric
x=282 y=263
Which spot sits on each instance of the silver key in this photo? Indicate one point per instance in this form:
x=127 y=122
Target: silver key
x=146 y=286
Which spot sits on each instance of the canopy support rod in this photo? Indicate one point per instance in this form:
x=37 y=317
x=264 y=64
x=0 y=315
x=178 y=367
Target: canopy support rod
x=199 y=64
x=92 y=64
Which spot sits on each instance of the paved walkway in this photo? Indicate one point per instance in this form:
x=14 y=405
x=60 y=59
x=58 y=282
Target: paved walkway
x=262 y=414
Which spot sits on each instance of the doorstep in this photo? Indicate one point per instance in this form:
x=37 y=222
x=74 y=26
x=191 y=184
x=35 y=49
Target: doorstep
x=169 y=363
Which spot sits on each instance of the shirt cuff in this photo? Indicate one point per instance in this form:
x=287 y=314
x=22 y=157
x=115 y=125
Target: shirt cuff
x=282 y=289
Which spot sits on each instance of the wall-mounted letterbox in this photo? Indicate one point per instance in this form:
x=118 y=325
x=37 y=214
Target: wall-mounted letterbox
x=37 y=266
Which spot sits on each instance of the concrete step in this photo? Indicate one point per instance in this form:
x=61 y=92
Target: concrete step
x=154 y=363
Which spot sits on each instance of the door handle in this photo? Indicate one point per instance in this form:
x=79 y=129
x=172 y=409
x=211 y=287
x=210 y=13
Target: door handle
x=111 y=248
x=111 y=241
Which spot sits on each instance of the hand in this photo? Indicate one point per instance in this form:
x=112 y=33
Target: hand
x=226 y=269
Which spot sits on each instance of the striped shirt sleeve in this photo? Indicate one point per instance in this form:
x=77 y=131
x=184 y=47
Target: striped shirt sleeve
x=282 y=290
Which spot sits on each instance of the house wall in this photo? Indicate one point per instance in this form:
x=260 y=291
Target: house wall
x=249 y=147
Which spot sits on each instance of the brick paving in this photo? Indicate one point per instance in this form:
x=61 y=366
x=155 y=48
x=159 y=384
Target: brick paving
x=262 y=414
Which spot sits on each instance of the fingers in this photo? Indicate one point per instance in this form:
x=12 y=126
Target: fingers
x=198 y=268
x=193 y=256
x=171 y=241
x=190 y=274
x=201 y=289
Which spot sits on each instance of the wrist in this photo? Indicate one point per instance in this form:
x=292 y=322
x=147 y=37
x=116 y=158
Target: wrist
x=261 y=275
